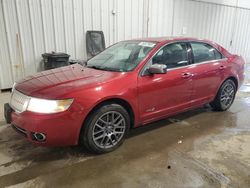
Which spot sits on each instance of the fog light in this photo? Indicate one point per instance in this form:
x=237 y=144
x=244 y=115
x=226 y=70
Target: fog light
x=40 y=137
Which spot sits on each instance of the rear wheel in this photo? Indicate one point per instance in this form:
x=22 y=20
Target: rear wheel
x=106 y=128
x=225 y=96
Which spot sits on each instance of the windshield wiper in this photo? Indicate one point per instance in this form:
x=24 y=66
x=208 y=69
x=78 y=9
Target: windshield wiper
x=112 y=69
x=95 y=67
x=105 y=68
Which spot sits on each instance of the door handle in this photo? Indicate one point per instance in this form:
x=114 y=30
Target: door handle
x=187 y=75
x=222 y=67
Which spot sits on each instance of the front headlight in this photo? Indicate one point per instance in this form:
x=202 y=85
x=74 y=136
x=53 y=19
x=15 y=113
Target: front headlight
x=48 y=106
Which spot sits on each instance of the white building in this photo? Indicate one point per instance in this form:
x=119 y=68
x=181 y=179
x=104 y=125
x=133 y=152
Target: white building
x=29 y=28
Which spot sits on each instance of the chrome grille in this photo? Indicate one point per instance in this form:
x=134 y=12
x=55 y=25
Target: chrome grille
x=18 y=101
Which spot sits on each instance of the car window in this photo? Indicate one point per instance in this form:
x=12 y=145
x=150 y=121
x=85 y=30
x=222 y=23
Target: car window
x=204 y=52
x=173 y=55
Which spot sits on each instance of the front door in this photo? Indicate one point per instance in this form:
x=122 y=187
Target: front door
x=160 y=95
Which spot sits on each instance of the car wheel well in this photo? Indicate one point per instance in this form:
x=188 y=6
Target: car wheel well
x=234 y=80
x=121 y=102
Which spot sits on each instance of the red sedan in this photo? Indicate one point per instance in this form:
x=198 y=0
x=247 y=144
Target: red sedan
x=130 y=84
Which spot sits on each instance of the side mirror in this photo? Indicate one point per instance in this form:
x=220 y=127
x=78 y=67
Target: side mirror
x=157 y=69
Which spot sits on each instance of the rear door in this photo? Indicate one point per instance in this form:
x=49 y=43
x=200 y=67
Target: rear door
x=208 y=71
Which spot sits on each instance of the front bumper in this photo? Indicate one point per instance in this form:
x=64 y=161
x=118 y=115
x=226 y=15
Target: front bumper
x=60 y=129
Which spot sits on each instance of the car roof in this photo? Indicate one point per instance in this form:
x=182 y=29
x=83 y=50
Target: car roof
x=169 y=39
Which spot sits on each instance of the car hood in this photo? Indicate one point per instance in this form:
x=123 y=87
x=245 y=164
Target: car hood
x=58 y=82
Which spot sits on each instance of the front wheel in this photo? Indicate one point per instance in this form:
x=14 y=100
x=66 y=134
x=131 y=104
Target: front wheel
x=225 y=96
x=106 y=128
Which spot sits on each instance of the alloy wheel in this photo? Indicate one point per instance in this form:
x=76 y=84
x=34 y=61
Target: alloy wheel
x=227 y=95
x=109 y=129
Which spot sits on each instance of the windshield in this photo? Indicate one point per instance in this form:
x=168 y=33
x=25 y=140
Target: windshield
x=121 y=57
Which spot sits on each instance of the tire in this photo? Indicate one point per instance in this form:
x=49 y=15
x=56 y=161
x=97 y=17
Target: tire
x=225 y=96
x=105 y=129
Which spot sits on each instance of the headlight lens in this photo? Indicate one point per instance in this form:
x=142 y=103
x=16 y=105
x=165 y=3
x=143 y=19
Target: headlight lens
x=48 y=106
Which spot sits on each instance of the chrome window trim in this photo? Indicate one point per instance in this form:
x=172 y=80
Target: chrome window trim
x=186 y=41
x=196 y=64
